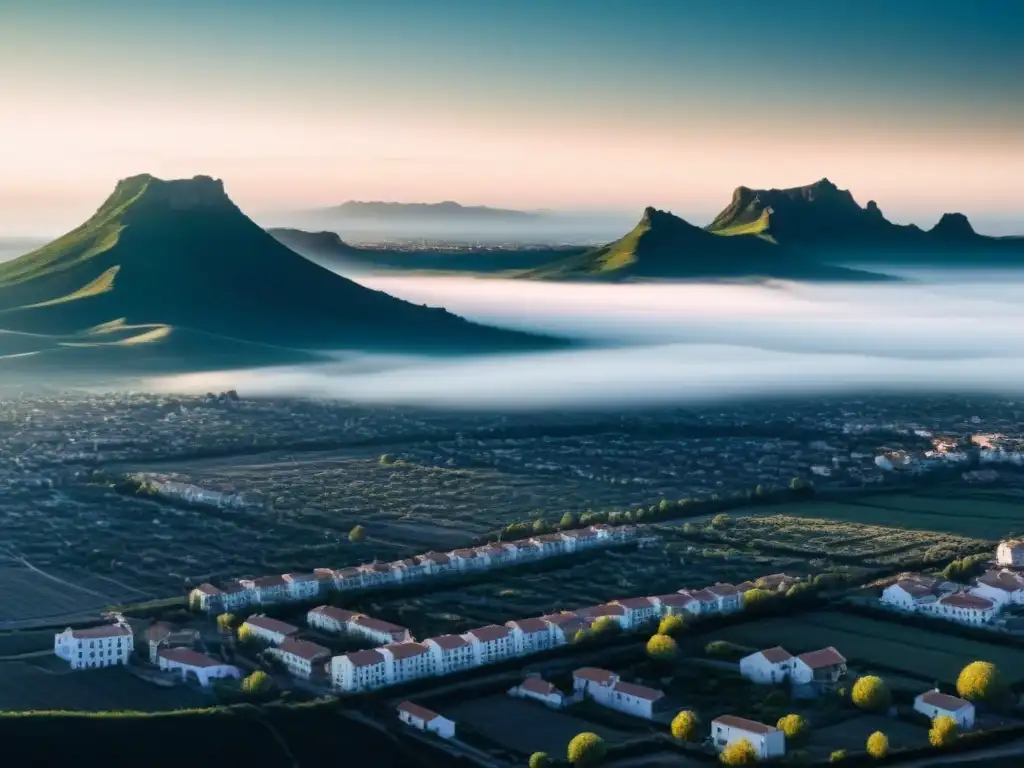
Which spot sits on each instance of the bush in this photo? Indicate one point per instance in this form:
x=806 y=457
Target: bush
x=606 y=626
x=586 y=750
x=723 y=649
x=685 y=726
x=671 y=625
x=838 y=756
x=980 y=681
x=871 y=693
x=539 y=760
x=878 y=745
x=662 y=648
x=740 y=752
x=756 y=598
x=944 y=731
x=794 y=726
x=226 y=622
x=357 y=533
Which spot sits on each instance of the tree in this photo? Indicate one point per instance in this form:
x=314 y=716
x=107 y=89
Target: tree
x=226 y=622
x=944 y=731
x=720 y=521
x=871 y=693
x=245 y=634
x=740 y=752
x=568 y=521
x=606 y=626
x=586 y=750
x=540 y=525
x=758 y=598
x=838 y=756
x=357 y=533
x=257 y=683
x=980 y=681
x=386 y=459
x=878 y=745
x=539 y=760
x=662 y=648
x=685 y=726
x=794 y=726
x=195 y=603
x=671 y=625
x=664 y=506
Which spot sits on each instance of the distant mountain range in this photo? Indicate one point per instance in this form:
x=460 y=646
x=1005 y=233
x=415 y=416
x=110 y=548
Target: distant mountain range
x=418 y=212
x=665 y=247
x=822 y=219
x=171 y=275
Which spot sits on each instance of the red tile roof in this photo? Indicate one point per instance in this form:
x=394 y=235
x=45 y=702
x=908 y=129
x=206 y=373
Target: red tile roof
x=750 y=726
x=489 y=633
x=271 y=625
x=826 y=657
x=776 y=655
x=364 y=658
x=595 y=611
x=560 y=618
x=528 y=626
x=189 y=658
x=944 y=701
x=539 y=686
x=704 y=596
x=378 y=625
x=723 y=590
x=634 y=603
x=965 y=600
x=406 y=650
x=640 y=691
x=595 y=675
x=448 y=642
x=417 y=711
x=208 y=589
x=268 y=581
x=331 y=612
x=101 y=632
x=304 y=649
x=158 y=630
x=299 y=577
x=1008 y=581
x=675 y=599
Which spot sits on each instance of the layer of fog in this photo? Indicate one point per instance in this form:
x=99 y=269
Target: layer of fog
x=679 y=343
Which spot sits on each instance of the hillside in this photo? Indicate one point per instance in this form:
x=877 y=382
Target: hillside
x=824 y=219
x=664 y=246
x=329 y=250
x=180 y=256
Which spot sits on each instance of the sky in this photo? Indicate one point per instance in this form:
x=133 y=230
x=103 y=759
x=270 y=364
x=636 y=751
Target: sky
x=577 y=104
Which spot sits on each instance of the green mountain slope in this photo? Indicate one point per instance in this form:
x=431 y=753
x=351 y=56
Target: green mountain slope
x=664 y=246
x=180 y=254
x=824 y=219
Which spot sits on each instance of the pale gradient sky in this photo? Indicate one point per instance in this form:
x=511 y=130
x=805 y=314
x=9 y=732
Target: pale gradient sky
x=536 y=103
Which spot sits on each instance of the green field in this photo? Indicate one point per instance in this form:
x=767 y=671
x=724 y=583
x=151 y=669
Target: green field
x=880 y=645
x=977 y=514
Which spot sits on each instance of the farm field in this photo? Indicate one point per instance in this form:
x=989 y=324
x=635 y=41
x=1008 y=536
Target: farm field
x=47 y=683
x=838 y=543
x=879 y=646
x=29 y=596
x=973 y=513
x=526 y=726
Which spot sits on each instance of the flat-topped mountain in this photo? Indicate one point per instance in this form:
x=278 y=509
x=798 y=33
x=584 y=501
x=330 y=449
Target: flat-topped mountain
x=448 y=209
x=825 y=219
x=664 y=246
x=174 y=258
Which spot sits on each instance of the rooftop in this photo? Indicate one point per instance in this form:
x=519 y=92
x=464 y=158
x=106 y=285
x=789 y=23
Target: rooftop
x=750 y=726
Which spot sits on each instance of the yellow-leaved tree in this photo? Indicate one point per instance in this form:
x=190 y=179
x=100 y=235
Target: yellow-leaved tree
x=685 y=726
x=586 y=750
x=878 y=745
x=944 y=731
x=980 y=681
x=739 y=752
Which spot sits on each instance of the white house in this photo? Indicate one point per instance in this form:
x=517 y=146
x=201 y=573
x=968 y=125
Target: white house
x=301 y=586
x=633 y=699
x=235 y=595
x=580 y=538
x=587 y=680
x=549 y=544
x=160 y=635
x=206 y=596
x=822 y=668
x=1010 y=553
x=611 y=610
x=376 y=574
x=103 y=646
x=359 y=671
x=674 y=603
x=301 y=657
x=768 y=742
x=707 y=600
x=348 y=578
x=407 y=661
x=540 y=690
x=192 y=664
x=491 y=644
x=639 y=610
x=329 y=618
x=425 y=720
x=466 y=559
x=728 y=597
x=268 y=630
x=451 y=654
x=377 y=630
x=966 y=608
x=530 y=635
x=772 y=665
x=563 y=626
x=1003 y=587
x=435 y=562
x=934 y=704
x=267 y=589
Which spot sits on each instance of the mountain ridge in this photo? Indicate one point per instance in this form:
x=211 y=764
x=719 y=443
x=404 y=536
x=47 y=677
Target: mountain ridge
x=181 y=254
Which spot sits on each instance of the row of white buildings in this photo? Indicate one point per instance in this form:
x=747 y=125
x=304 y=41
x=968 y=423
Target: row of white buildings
x=400 y=662
x=297 y=587
x=977 y=604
